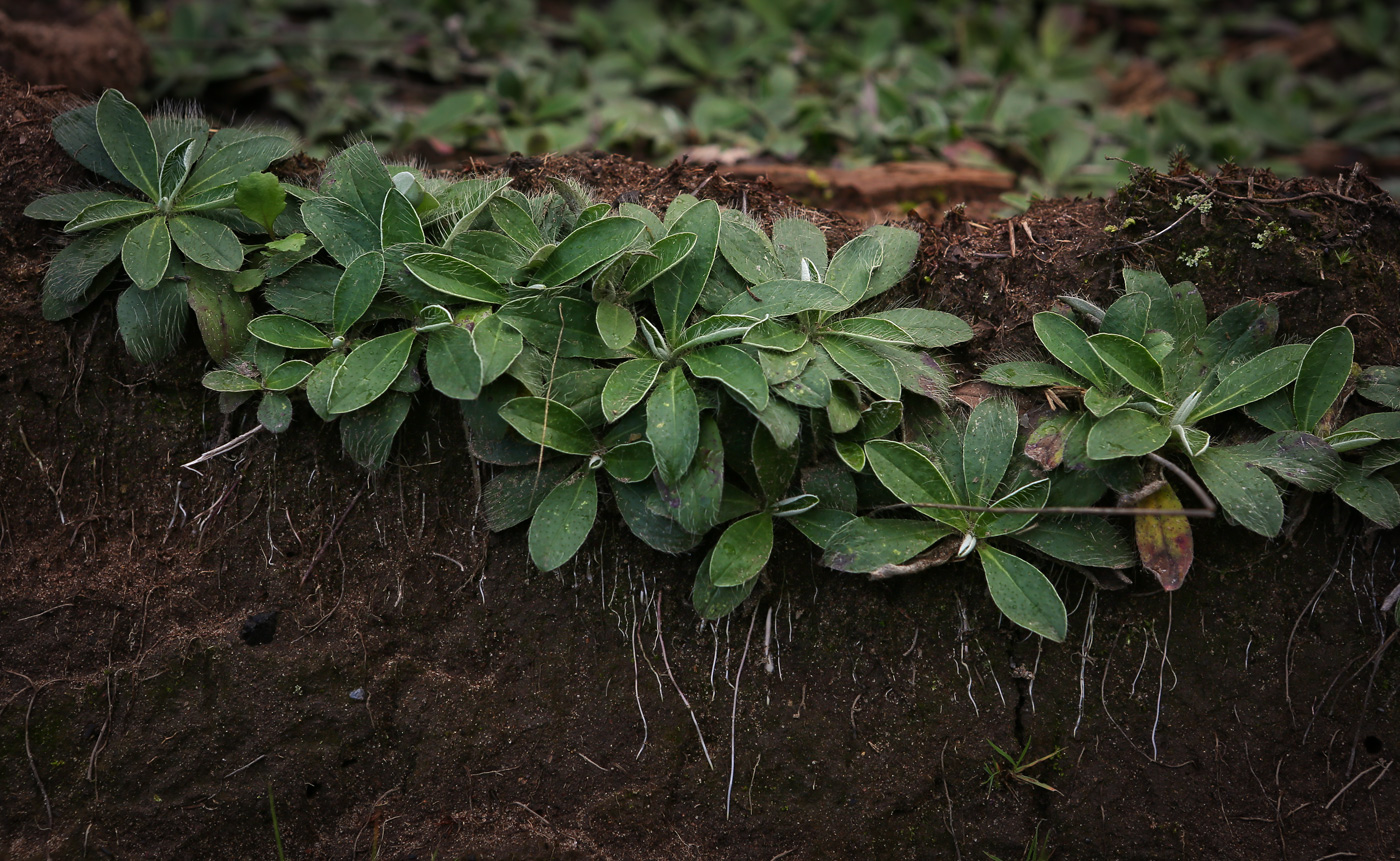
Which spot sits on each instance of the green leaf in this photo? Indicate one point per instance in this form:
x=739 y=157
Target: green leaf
x=1126 y=433
x=616 y=325
x=1380 y=384
x=1241 y=332
x=1100 y=403
x=932 y=329
x=1176 y=309
x=673 y=425
x=781 y=421
x=511 y=497
x=128 y=142
x=773 y=465
x=108 y=212
x=898 y=249
x=732 y=367
x=630 y=462
x=370 y=370
x=914 y=479
x=563 y=521
x=654 y=529
x=515 y=222
x=287 y=331
x=206 y=242
x=455 y=277
x=628 y=385
x=453 y=365
x=781 y=367
x=696 y=498
x=795 y=239
x=776 y=335
x=76 y=132
x=1322 y=375
x=748 y=251
x=1127 y=317
x=288 y=375
x=676 y=292
x=713 y=602
x=1068 y=343
x=742 y=550
x=345 y=231
x=229 y=381
x=152 y=322
x=1244 y=491
x=293 y=244
x=851 y=454
x=1298 y=458
x=662 y=257
x=871 y=329
x=1027 y=494
x=260 y=197
x=843 y=410
x=1023 y=594
x=1081 y=540
x=228 y=164
x=398 y=220
x=66 y=207
x=146 y=252
x=1382 y=425
x=1274 y=412
x=318 y=385
x=864 y=544
x=367 y=435
x=355 y=291
x=275 y=412
x=1254 y=380
x=820 y=524
x=587 y=247
x=550 y=424
x=785 y=298
x=1131 y=361
x=356 y=177
x=851 y=267
x=497 y=345
x=832 y=483
x=874 y=371
x=1020 y=375
x=540 y=319
x=1049 y=443
x=489 y=437
x=988 y=442
x=222 y=314
x=713 y=329
x=1373 y=496
x=878 y=420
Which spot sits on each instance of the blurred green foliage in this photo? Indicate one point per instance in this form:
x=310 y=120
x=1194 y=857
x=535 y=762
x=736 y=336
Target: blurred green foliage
x=815 y=80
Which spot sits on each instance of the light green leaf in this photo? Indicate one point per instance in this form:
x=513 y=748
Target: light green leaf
x=1023 y=594
x=1126 y=433
x=732 y=367
x=128 y=142
x=627 y=386
x=1131 y=361
x=742 y=550
x=616 y=325
x=864 y=544
x=287 y=331
x=345 y=231
x=563 y=520
x=1243 y=490
x=356 y=289
x=206 y=242
x=146 y=252
x=1322 y=375
x=455 y=277
x=1254 y=380
x=673 y=425
x=874 y=371
x=453 y=365
x=369 y=371
x=587 y=247
x=260 y=197
x=550 y=424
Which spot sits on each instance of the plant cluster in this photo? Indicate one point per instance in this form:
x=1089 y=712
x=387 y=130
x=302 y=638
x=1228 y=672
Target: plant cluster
x=710 y=378
x=797 y=80
x=1155 y=376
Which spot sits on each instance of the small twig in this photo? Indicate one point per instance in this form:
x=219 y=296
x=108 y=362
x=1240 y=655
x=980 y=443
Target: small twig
x=326 y=542
x=226 y=447
x=734 y=714
x=45 y=613
x=245 y=767
x=667 y=664
x=590 y=762
x=943 y=773
x=527 y=809
x=1328 y=805
x=637 y=690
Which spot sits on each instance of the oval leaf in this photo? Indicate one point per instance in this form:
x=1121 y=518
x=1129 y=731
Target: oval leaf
x=369 y=371
x=742 y=550
x=550 y=424
x=587 y=247
x=287 y=331
x=1164 y=542
x=563 y=520
x=1023 y=594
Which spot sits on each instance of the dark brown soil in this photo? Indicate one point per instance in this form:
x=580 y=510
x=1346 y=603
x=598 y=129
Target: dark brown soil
x=427 y=693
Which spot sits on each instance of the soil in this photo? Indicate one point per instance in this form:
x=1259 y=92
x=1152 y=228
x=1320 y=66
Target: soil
x=180 y=649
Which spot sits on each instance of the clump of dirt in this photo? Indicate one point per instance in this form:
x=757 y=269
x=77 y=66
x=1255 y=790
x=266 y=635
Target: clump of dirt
x=424 y=692
x=68 y=44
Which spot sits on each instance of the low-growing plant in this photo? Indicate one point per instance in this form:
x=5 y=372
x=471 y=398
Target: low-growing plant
x=1004 y=769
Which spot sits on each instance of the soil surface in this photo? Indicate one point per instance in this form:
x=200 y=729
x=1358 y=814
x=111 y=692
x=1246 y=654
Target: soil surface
x=179 y=648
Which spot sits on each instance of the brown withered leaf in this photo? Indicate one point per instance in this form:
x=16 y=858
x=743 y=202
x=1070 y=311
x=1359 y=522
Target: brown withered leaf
x=1164 y=542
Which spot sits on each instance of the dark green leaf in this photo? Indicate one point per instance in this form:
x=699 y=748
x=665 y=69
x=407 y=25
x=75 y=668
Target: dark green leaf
x=988 y=443
x=776 y=335
x=1127 y=317
x=1131 y=361
x=663 y=256
x=275 y=412
x=898 y=249
x=230 y=381
x=229 y=164
x=287 y=331
x=636 y=502
x=820 y=524
x=1251 y=381
x=865 y=544
x=773 y=465
x=108 y=212
x=628 y=385
x=563 y=520
x=128 y=142
x=152 y=322
x=1381 y=384
x=367 y=435
x=677 y=291
x=146 y=252
x=206 y=242
x=616 y=326
x=550 y=424
x=1244 y=491
x=1126 y=433
x=497 y=345
x=1082 y=540
x=369 y=371
x=851 y=268
x=913 y=478
x=933 y=329
x=345 y=231
x=795 y=239
x=76 y=132
x=515 y=222
x=785 y=298
x=781 y=421
x=630 y=462
x=66 y=207
x=453 y=365
x=222 y=314
x=696 y=499
x=318 y=385
x=540 y=318
x=874 y=371
x=713 y=602
x=511 y=497
x=288 y=375
x=1372 y=495
x=1068 y=343
x=742 y=550
x=732 y=367
x=1028 y=374
x=1322 y=375
x=587 y=247
x=453 y=276
x=673 y=425
x=356 y=289
x=748 y=251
